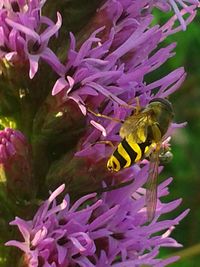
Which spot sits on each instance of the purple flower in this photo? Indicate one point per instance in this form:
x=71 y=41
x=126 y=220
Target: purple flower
x=105 y=75
x=188 y=5
x=21 y=36
x=12 y=142
x=22 y=6
x=110 y=231
x=114 y=68
x=16 y=163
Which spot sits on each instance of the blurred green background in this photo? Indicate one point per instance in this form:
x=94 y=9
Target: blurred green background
x=185 y=166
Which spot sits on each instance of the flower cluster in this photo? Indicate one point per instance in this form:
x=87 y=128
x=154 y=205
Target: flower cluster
x=15 y=159
x=105 y=74
x=12 y=142
x=108 y=71
x=21 y=39
x=174 y=4
x=111 y=227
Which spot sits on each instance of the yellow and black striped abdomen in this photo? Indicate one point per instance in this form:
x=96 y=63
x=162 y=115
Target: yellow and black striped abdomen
x=127 y=153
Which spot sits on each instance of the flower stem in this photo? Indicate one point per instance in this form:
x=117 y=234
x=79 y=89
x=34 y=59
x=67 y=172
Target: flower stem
x=188 y=252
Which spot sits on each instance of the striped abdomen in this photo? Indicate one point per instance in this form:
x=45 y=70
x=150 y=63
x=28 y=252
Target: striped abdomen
x=127 y=153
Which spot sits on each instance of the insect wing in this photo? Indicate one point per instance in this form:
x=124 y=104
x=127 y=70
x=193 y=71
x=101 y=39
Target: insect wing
x=137 y=125
x=151 y=193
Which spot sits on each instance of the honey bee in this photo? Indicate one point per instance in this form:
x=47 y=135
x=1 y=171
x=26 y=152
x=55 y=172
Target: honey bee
x=142 y=135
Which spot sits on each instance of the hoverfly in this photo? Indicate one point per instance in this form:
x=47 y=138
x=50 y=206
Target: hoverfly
x=142 y=135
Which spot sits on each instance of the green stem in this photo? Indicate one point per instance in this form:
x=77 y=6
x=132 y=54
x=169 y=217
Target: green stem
x=188 y=252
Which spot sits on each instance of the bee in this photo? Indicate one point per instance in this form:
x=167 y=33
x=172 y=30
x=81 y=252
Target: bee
x=142 y=135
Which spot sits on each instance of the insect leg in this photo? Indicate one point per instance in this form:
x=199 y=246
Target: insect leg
x=104 y=116
x=114 y=187
x=109 y=188
x=106 y=142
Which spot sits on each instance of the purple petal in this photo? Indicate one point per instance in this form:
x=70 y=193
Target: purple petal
x=99 y=127
x=62 y=254
x=40 y=235
x=10 y=56
x=60 y=84
x=49 y=56
x=56 y=193
x=33 y=60
x=52 y=30
x=102 y=219
x=23 y=29
x=24 y=228
x=178 y=14
x=79 y=202
x=20 y=245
